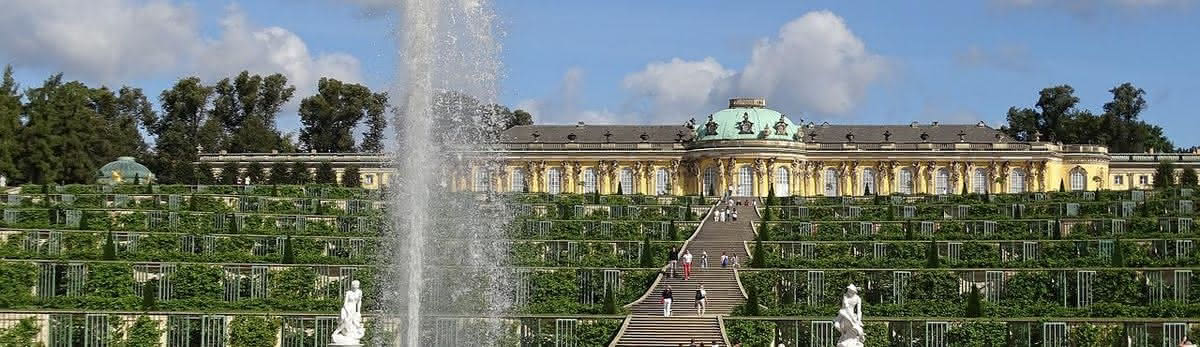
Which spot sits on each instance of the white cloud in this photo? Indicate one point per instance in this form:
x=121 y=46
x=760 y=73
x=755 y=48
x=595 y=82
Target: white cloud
x=814 y=64
x=115 y=41
x=562 y=106
x=101 y=40
x=1004 y=57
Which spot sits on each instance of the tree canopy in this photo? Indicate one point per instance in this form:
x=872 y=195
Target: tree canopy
x=1055 y=118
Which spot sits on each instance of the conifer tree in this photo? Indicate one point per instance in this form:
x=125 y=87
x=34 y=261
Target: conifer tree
x=759 y=258
x=204 y=174
x=289 y=254
x=751 y=308
x=647 y=258
x=974 y=303
x=619 y=192
x=1118 y=255
x=1164 y=175
x=150 y=295
x=10 y=125
x=299 y=174
x=1188 y=178
x=610 y=299
x=254 y=172
x=110 y=247
x=230 y=173
x=931 y=255
x=325 y=174
x=279 y=174
x=351 y=177
x=671 y=232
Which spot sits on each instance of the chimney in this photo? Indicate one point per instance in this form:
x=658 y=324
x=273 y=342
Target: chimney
x=747 y=102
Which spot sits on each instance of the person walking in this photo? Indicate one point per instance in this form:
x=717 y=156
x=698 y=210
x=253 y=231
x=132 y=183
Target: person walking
x=687 y=265
x=673 y=260
x=724 y=260
x=704 y=259
x=666 y=300
x=701 y=303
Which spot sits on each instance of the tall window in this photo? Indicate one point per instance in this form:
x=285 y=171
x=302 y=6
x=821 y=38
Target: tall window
x=1078 y=180
x=942 y=184
x=831 y=182
x=979 y=182
x=868 y=182
x=1016 y=181
x=782 y=180
x=710 y=181
x=518 y=180
x=483 y=180
x=745 y=181
x=662 y=182
x=906 y=181
x=554 y=180
x=589 y=180
x=627 y=181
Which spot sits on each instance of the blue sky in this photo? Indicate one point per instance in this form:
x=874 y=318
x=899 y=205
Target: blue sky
x=665 y=61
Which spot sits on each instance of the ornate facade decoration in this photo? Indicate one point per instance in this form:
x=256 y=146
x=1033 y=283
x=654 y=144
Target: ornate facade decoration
x=745 y=126
x=781 y=126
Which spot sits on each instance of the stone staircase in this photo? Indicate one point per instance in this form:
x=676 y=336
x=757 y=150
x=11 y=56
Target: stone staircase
x=648 y=327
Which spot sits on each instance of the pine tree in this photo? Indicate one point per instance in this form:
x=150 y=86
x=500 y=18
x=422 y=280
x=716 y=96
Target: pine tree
x=229 y=173
x=279 y=174
x=931 y=255
x=289 y=254
x=110 y=247
x=351 y=178
x=299 y=174
x=647 y=258
x=974 y=303
x=325 y=174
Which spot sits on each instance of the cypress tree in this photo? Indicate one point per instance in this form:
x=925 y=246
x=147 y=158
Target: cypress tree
x=229 y=173
x=770 y=195
x=965 y=191
x=1164 y=175
x=931 y=255
x=759 y=258
x=137 y=179
x=1057 y=231
x=764 y=231
x=110 y=247
x=351 y=178
x=10 y=125
x=647 y=259
x=1188 y=178
x=752 y=308
x=974 y=303
x=150 y=295
x=619 y=192
x=299 y=174
x=289 y=254
x=909 y=233
x=325 y=174
x=671 y=232
x=204 y=174
x=254 y=172
x=1118 y=256
x=279 y=174
x=610 y=300
x=1062 y=186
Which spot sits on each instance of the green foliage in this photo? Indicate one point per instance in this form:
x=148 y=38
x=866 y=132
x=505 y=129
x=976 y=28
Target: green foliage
x=1118 y=255
x=246 y=106
x=750 y=332
x=351 y=178
x=279 y=174
x=1089 y=335
x=647 y=259
x=329 y=118
x=770 y=196
x=10 y=124
x=193 y=281
x=204 y=175
x=1188 y=178
x=752 y=306
x=150 y=295
x=759 y=258
x=299 y=174
x=764 y=231
x=978 y=334
x=16 y=284
x=1118 y=128
x=1164 y=175
x=229 y=173
x=325 y=174
x=610 y=300
x=672 y=233
x=144 y=332
x=254 y=172
x=109 y=280
x=110 y=247
x=974 y=303
x=932 y=259
x=289 y=253
x=252 y=331
x=22 y=334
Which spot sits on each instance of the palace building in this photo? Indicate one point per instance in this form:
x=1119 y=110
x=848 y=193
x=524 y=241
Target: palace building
x=748 y=149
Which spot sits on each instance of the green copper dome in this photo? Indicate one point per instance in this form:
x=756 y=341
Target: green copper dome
x=746 y=119
x=124 y=171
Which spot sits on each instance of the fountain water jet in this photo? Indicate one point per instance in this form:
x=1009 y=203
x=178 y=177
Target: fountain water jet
x=443 y=257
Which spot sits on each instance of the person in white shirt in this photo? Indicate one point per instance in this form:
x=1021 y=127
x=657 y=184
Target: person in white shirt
x=724 y=260
x=704 y=260
x=687 y=265
x=701 y=294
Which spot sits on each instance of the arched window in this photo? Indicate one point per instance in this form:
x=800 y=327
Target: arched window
x=782 y=180
x=483 y=180
x=626 y=181
x=868 y=182
x=906 y=181
x=745 y=181
x=589 y=180
x=1078 y=180
x=710 y=181
x=518 y=180
x=980 y=181
x=662 y=182
x=831 y=182
x=554 y=180
x=1016 y=181
x=942 y=182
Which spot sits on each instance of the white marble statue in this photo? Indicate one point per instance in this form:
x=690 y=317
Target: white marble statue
x=350 y=328
x=3 y=181
x=849 y=319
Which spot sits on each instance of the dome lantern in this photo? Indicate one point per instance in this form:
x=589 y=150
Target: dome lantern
x=125 y=170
